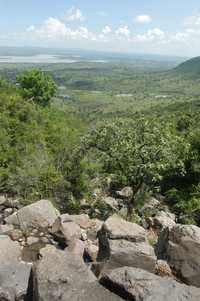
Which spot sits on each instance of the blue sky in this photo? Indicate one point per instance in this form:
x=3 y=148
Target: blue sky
x=147 y=26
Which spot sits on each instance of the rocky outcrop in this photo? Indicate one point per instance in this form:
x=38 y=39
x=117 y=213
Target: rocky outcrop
x=14 y=275
x=68 y=279
x=41 y=214
x=139 y=285
x=124 y=244
x=180 y=245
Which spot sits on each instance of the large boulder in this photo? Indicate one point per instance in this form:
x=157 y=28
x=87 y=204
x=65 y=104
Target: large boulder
x=117 y=228
x=10 y=251
x=14 y=279
x=60 y=275
x=139 y=285
x=164 y=220
x=14 y=275
x=180 y=245
x=41 y=214
x=125 y=253
x=124 y=244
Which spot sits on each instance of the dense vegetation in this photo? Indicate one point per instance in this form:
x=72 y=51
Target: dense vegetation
x=138 y=128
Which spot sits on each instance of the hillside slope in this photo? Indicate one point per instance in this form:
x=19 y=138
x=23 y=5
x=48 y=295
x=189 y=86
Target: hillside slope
x=190 y=68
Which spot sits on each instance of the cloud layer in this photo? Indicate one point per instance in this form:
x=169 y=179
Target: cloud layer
x=70 y=27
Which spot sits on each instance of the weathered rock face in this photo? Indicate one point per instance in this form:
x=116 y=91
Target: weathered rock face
x=62 y=276
x=41 y=214
x=82 y=220
x=14 y=275
x=180 y=245
x=14 y=280
x=139 y=285
x=125 y=253
x=65 y=230
x=117 y=228
x=9 y=251
x=124 y=244
x=163 y=220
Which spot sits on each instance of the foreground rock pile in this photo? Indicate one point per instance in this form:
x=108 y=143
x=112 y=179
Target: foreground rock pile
x=46 y=256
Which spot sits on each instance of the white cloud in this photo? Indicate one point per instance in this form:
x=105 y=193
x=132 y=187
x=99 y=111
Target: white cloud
x=58 y=31
x=74 y=14
x=143 y=19
x=54 y=29
x=107 y=29
x=123 y=31
x=155 y=34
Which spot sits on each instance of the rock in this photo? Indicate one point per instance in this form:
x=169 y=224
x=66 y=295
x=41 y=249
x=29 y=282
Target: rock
x=65 y=231
x=7 y=212
x=139 y=285
x=180 y=245
x=67 y=280
x=6 y=229
x=124 y=244
x=117 y=228
x=92 y=232
x=150 y=205
x=82 y=220
x=32 y=240
x=9 y=251
x=164 y=219
x=3 y=199
x=110 y=202
x=119 y=253
x=15 y=234
x=14 y=280
x=83 y=235
x=41 y=214
x=76 y=247
x=125 y=193
x=91 y=251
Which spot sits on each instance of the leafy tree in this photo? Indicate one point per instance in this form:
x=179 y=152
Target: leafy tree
x=37 y=85
x=139 y=153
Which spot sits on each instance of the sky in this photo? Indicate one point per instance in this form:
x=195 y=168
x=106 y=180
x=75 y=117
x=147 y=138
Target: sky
x=169 y=27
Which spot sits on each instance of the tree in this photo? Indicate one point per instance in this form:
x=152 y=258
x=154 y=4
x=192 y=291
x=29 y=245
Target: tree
x=37 y=85
x=138 y=153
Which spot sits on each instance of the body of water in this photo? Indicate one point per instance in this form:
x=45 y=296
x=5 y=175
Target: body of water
x=43 y=58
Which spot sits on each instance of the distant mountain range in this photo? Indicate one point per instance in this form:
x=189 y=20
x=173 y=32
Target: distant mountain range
x=85 y=54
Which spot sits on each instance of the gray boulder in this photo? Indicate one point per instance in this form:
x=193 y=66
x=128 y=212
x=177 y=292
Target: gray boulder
x=10 y=251
x=180 y=245
x=125 y=253
x=117 y=228
x=139 y=285
x=68 y=279
x=65 y=230
x=124 y=244
x=164 y=220
x=41 y=214
x=14 y=281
